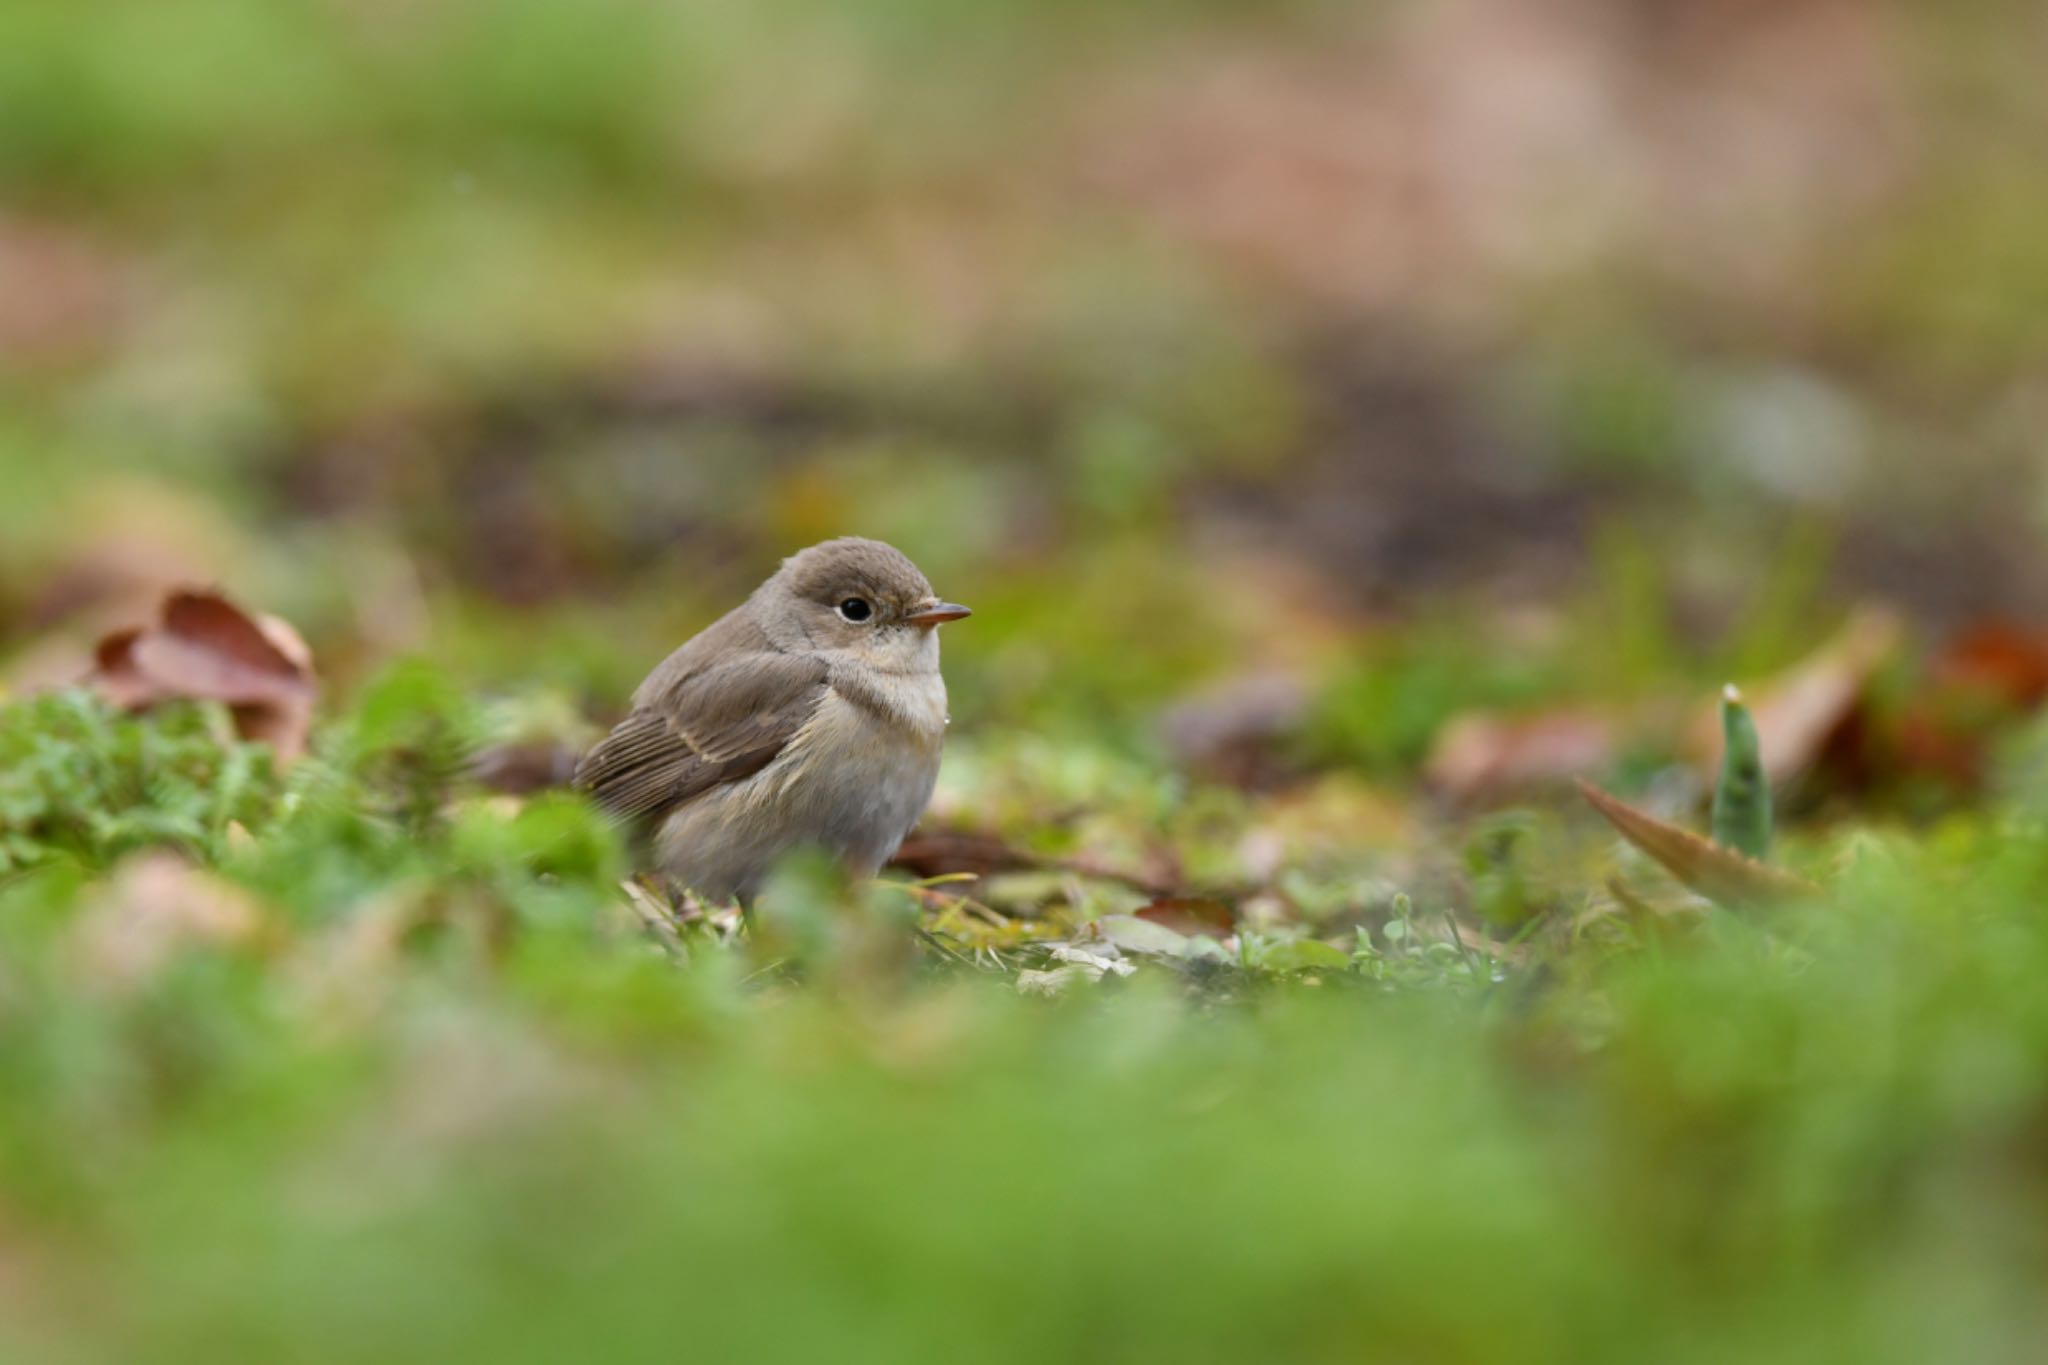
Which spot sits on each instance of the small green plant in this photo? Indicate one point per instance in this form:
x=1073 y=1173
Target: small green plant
x=82 y=782
x=1742 y=797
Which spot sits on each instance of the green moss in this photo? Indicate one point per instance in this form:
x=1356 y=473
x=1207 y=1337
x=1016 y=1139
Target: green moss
x=81 y=783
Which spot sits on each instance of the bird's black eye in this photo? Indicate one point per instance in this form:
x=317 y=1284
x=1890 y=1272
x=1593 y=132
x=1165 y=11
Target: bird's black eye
x=856 y=609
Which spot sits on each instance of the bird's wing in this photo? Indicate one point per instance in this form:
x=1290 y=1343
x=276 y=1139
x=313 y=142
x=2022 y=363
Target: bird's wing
x=699 y=728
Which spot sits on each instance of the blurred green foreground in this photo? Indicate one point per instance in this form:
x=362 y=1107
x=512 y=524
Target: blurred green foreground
x=405 y=1082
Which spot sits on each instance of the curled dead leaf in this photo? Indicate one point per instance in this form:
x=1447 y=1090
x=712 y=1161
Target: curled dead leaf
x=115 y=673
x=204 y=647
x=1721 y=875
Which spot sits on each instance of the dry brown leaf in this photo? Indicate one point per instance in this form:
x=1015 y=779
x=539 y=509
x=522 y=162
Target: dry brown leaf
x=2003 y=662
x=115 y=673
x=946 y=853
x=1798 y=712
x=1982 y=680
x=207 y=647
x=1480 y=754
x=1191 y=915
x=204 y=647
x=1719 y=874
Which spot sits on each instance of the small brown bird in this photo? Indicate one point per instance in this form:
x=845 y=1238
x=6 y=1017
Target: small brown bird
x=810 y=716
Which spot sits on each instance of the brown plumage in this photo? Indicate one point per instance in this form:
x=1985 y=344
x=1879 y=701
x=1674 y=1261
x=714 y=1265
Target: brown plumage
x=810 y=715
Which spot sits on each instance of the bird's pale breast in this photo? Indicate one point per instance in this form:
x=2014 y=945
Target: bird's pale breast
x=852 y=781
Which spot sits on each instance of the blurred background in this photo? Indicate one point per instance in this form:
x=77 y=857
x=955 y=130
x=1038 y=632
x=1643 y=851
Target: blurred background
x=1198 y=345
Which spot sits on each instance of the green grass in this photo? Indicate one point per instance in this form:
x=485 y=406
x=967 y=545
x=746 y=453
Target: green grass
x=450 y=1103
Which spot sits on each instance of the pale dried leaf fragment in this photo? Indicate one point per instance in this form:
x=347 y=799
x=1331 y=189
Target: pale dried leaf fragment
x=1130 y=934
x=1099 y=959
x=1054 y=981
x=656 y=918
x=1078 y=964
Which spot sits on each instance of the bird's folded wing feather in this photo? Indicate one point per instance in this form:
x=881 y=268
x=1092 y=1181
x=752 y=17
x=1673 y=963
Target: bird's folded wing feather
x=701 y=728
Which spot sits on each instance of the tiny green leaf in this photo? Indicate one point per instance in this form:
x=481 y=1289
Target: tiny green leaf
x=1742 y=798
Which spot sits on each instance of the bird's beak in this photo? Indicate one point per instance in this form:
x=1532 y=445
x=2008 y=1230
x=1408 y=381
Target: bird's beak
x=937 y=613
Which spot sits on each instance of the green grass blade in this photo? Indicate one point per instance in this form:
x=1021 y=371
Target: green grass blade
x=1742 y=797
